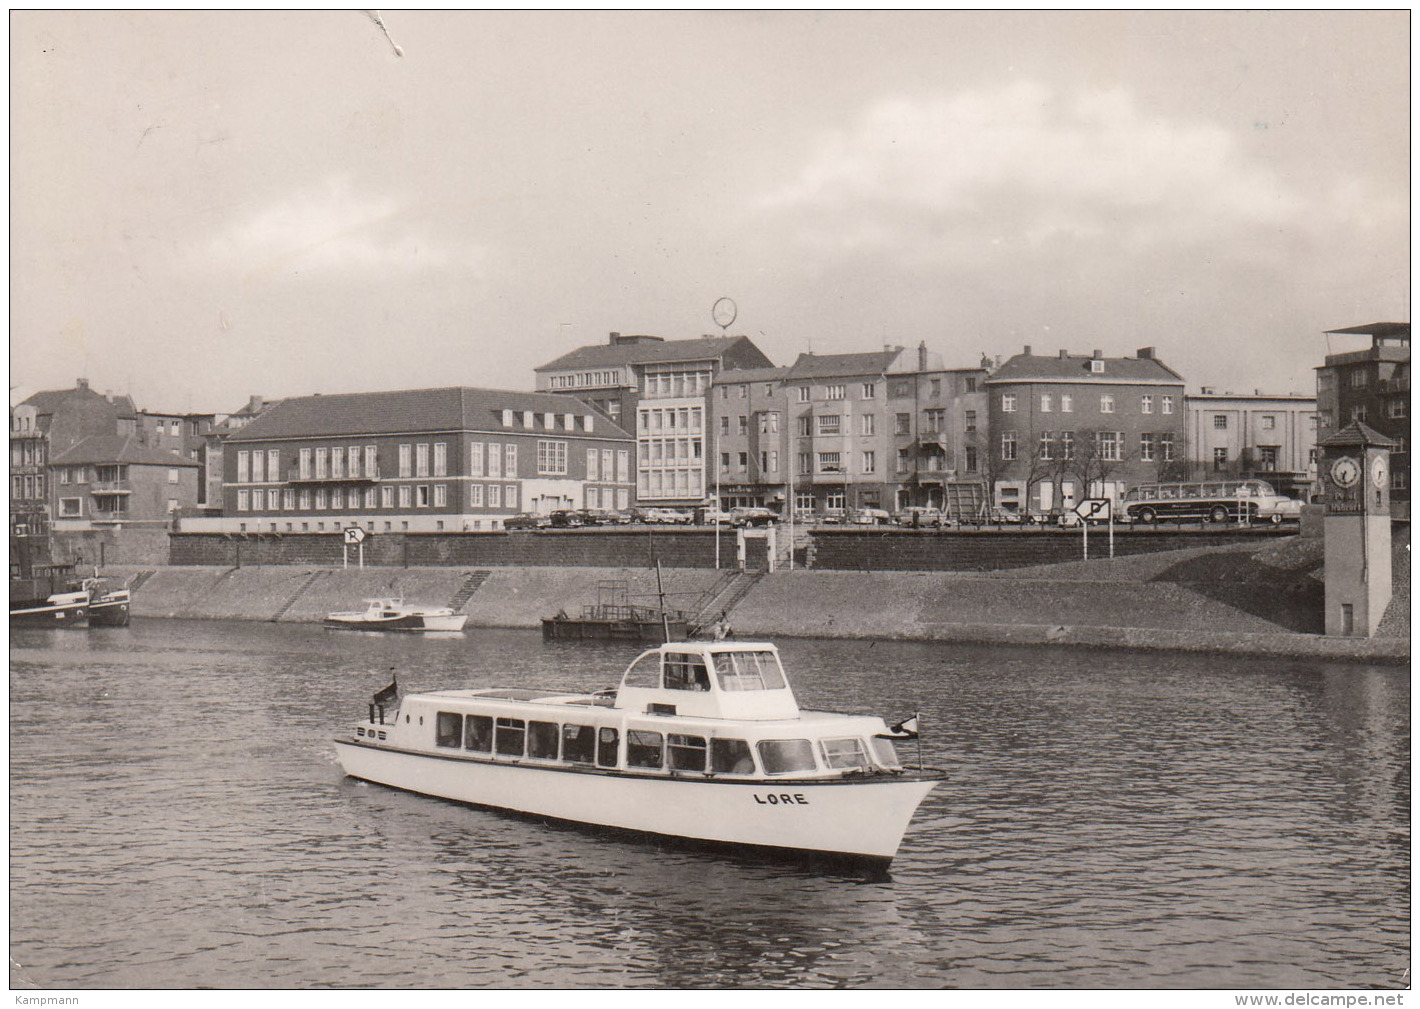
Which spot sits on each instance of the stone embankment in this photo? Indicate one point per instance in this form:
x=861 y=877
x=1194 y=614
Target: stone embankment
x=1235 y=598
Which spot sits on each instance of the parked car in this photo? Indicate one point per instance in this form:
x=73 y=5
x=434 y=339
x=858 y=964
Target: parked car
x=752 y=516
x=713 y=516
x=919 y=517
x=567 y=518
x=1003 y=516
x=1280 y=510
x=666 y=516
x=871 y=517
x=527 y=521
x=832 y=516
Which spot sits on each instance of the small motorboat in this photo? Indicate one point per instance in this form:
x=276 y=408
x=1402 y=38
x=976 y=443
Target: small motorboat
x=396 y=615
x=702 y=742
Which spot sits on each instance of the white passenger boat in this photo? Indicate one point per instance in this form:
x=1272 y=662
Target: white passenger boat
x=702 y=741
x=396 y=615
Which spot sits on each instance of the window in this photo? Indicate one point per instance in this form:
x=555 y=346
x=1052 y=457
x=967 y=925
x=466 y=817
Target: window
x=1395 y=409
x=578 y=743
x=509 y=736
x=903 y=458
x=1047 y=444
x=644 y=748
x=731 y=756
x=803 y=394
x=971 y=420
x=592 y=457
x=806 y=465
x=744 y=424
x=971 y=384
x=868 y=424
x=971 y=459
x=441 y=459
x=1067 y=403
x=72 y=507
x=1045 y=402
x=475 y=495
x=935 y=387
x=1008 y=446
x=172 y=476
x=405 y=496
x=1146 y=404
x=1109 y=445
x=870 y=462
x=1107 y=403
x=687 y=753
x=1360 y=378
x=724 y=460
x=904 y=423
x=243 y=467
x=352 y=454
x=243 y=500
x=841 y=753
x=833 y=392
x=1167 y=404
x=769 y=422
x=551 y=457
x=936 y=419
x=404 y=461
x=273 y=500
x=478 y=733
x=1220 y=458
x=448 y=729
x=607 y=740
x=1146 y=448
x=725 y=424
x=623 y=464
x=421 y=460
x=441 y=496
x=1267 y=457
x=1008 y=402
x=870 y=390
x=743 y=459
x=322 y=463
x=542 y=740
x=321 y=496
x=273 y=464
x=1220 y=422
x=304 y=500
x=1067 y=445
x=1358 y=412
x=495 y=496
x=829 y=462
x=805 y=427
x=304 y=463
x=1269 y=422
x=1166 y=447
x=475 y=459
x=786 y=756
x=288 y=500
x=828 y=423
x=1097 y=366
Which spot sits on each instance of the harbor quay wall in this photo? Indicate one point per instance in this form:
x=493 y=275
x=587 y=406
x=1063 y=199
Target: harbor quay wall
x=827 y=549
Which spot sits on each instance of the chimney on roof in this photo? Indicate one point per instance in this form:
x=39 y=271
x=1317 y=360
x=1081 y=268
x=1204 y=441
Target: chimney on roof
x=1206 y=390
x=254 y=404
x=922 y=356
x=615 y=338
x=1064 y=354
x=1145 y=353
x=1099 y=355
x=108 y=395
x=82 y=385
x=1027 y=351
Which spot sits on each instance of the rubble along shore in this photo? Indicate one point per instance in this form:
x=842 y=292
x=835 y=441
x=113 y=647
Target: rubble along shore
x=1207 y=605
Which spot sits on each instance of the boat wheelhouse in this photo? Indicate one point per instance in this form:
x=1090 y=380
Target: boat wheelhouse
x=701 y=742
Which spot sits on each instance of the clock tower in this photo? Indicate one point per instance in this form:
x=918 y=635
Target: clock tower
x=1355 y=469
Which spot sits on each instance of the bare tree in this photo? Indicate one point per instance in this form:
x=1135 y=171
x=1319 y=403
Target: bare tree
x=1095 y=461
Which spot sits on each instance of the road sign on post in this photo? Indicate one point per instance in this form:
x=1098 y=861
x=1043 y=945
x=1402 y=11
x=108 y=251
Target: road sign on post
x=354 y=536
x=1096 y=509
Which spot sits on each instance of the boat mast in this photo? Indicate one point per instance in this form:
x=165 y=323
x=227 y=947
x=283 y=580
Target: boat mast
x=661 y=595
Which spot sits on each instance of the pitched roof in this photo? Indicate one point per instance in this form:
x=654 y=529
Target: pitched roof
x=1076 y=368
x=743 y=376
x=842 y=365
x=1357 y=433
x=50 y=401
x=114 y=448
x=603 y=355
x=409 y=410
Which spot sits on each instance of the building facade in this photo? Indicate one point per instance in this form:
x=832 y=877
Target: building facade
x=749 y=439
x=1272 y=438
x=429 y=460
x=659 y=390
x=1371 y=385
x=1071 y=427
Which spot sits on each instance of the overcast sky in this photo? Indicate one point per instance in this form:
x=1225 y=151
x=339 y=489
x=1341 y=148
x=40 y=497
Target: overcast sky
x=210 y=205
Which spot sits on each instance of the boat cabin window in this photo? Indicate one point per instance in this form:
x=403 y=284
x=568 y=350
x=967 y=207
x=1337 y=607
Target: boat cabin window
x=786 y=756
x=686 y=672
x=542 y=740
x=607 y=740
x=731 y=756
x=748 y=671
x=448 y=730
x=687 y=752
x=478 y=733
x=578 y=743
x=645 y=672
x=885 y=752
x=841 y=753
x=509 y=735
x=643 y=748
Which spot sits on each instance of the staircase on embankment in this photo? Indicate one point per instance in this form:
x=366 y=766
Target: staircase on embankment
x=470 y=585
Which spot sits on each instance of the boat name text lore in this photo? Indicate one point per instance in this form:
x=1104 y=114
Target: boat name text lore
x=783 y=799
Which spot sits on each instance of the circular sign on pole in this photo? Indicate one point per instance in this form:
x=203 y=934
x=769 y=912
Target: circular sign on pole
x=724 y=312
x=354 y=535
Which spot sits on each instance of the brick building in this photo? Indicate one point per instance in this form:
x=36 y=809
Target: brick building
x=453 y=459
x=658 y=389
x=1068 y=427
x=1371 y=385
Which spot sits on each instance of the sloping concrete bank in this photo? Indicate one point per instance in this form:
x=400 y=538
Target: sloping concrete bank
x=921 y=606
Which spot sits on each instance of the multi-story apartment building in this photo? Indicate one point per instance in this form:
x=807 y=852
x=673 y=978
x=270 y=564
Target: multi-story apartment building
x=1371 y=385
x=749 y=438
x=80 y=459
x=426 y=460
x=939 y=434
x=222 y=427
x=1068 y=427
x=1272 y=438
x=187 y=434
x=658 y=389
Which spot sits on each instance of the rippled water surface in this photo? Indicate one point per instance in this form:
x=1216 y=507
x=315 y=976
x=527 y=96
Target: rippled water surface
x=1115 y=819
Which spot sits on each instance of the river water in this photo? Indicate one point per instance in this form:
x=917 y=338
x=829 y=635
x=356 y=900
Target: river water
x=1112 y=819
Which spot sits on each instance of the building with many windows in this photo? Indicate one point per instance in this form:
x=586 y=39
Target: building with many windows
x=1070 y=427
x=1371 y=385
x=1272 y=438
x=658 y=389
x=425 y=460
x=749 y=439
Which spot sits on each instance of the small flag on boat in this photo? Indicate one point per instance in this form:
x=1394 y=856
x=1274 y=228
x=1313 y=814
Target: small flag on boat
x=905 y=729
x=390 y=693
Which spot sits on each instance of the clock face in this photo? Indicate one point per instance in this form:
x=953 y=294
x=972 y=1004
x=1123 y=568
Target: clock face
x=1345 y=471
x=1378 y=472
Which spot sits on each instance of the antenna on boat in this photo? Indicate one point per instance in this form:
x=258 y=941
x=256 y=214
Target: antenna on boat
x=661 y=596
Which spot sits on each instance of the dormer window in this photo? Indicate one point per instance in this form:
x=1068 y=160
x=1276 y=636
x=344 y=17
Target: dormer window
x=567 y=422
x=528 y=419
x=507 y=418
x=549 y=421
x=1097 y=366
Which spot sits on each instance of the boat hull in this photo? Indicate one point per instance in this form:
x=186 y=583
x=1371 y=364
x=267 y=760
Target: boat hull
x=586 y=629
x=858 y=820
x=110 y=609
x=68 y=613
x=403 y=622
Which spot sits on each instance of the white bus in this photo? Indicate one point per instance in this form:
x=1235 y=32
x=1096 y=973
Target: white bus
x=1213 y=500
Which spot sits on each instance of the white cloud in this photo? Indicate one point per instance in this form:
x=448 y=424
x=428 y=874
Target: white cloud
x=338 y=229
x=1023 y=166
